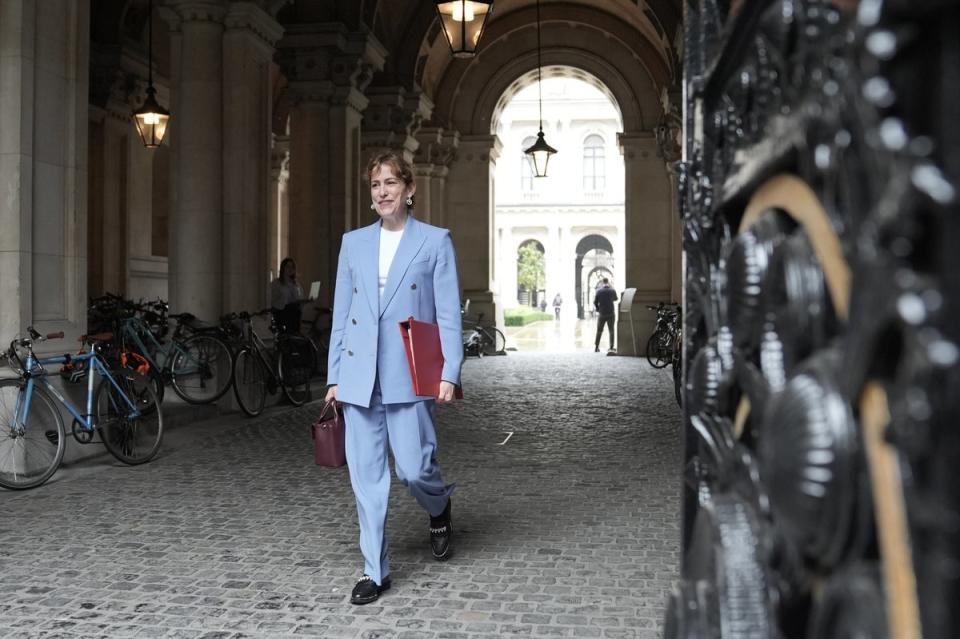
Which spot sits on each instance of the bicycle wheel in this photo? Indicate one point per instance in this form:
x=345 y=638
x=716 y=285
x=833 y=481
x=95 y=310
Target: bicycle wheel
x=658 y=349
x=128 y=416
x=32 y=451
x=202 y=369
x=249 y=382
x=295 y=357
x=493 y=341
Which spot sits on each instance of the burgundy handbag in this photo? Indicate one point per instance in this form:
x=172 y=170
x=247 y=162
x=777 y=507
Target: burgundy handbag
x=327 y=433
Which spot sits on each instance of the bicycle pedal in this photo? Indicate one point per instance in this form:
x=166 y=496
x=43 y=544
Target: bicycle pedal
x=52 y=436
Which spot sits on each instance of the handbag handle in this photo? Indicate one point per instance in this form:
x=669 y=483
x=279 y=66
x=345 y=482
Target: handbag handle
x=332 y=403
x=329 y=404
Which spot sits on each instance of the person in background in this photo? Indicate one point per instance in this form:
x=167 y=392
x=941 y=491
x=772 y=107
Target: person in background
x=286 y=297
x=557 y=301
x=603 y=303
x=392 y=270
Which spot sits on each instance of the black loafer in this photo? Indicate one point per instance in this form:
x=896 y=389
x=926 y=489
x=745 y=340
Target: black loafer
x=441 y=531
x=367 y=591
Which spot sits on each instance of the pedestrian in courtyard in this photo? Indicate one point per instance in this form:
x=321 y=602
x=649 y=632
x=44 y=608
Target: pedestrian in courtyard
x=557 y=301
x=286 y=295
x=603 y=302
x=389 y=271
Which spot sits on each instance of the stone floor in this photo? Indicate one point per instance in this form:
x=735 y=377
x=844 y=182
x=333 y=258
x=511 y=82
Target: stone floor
x=567 y=335
x=566 y=515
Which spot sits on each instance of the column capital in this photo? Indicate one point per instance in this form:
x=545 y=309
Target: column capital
x=176 y=12
x=325 y=62
x=479 y=148
x=638 y=145
x=437 y=148
x=393 y=118
x=247 y=17
x=669 y=128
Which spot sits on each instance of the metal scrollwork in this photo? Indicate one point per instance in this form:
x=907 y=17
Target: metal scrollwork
x=822 y=337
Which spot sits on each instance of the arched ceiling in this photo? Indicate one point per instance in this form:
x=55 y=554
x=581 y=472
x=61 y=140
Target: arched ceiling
x=627 y=38
x=644 y=30
x=410 y=30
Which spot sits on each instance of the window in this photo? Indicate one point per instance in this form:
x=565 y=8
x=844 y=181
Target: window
x=594 y=178
x=526 y=168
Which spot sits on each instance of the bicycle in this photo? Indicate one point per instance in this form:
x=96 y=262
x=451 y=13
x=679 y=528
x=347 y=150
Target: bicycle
x=197 y=362
x=319 y=335
x=676 y=362
x=665 y=338
x=198 y=368
x=257 y=370
x=482 y=340
x=124 y=410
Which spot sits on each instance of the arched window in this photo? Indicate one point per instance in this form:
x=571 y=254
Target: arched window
x=594 y=177
x=526 y=168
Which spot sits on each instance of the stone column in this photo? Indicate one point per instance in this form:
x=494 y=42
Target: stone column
x=196 y=220
x=432 y=164
x=109 y=225
x=327 y=68
x=279 y=210
x=44 y=97
x=470 y=206
x=248 y=47
x=649 y=240
x=669 y=134
x=557 y=274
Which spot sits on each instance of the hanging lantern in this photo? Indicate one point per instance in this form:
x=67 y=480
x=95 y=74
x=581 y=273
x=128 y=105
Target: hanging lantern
x=540 y=151
x=151 y=118
x=463 y=22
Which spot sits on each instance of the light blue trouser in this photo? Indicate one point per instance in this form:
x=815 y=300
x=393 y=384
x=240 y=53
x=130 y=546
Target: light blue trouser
x=408 y=428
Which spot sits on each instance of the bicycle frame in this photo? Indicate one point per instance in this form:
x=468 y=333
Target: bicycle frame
x=133 y=328
x=95 y=366
x=257 y=345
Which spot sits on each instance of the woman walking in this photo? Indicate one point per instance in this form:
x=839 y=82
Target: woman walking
x=389 y=271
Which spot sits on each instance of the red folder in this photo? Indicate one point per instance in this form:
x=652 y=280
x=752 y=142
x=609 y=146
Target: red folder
x=421 y=341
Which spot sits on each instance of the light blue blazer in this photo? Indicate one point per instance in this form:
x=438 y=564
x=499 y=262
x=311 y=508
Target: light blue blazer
x=365 y=340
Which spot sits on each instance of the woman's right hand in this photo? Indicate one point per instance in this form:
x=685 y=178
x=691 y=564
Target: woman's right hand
x=331 y=394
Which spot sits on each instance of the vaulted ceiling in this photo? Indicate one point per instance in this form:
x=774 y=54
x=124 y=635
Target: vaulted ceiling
x=629 y=38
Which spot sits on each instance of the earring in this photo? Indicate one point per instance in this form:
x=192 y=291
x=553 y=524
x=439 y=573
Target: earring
x=409 y=201
x=373 y=207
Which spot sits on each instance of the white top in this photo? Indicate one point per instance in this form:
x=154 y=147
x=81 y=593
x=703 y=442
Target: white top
x=389 y=241
x=283 y=293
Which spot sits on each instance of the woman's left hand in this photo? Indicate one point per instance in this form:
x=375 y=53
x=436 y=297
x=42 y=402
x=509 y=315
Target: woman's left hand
x=445 y=394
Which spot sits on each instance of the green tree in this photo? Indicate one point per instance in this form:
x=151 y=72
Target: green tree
x=530 y=269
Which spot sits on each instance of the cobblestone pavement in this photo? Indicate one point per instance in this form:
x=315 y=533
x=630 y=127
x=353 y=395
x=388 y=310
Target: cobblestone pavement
x=569 y=529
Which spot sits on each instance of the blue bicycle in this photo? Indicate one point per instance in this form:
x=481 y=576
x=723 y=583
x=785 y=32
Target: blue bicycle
x=123 y=409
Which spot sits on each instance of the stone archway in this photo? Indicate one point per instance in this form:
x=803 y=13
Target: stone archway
x=527 y=296
x=589 y=243
x=471 y=98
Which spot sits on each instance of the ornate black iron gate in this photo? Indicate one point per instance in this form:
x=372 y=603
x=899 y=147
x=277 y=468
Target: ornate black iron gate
x=822 y=366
